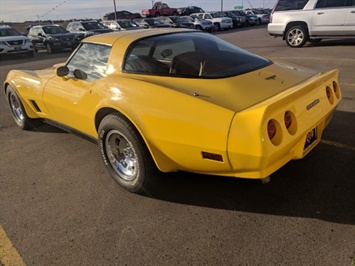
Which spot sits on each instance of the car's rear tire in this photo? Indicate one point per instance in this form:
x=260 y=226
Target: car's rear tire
x=125 y=154
x=296 y=36
x=19 y=112
x=157 y=14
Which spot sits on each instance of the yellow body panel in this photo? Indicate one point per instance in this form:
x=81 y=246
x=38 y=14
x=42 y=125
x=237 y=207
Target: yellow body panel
x=180 y=118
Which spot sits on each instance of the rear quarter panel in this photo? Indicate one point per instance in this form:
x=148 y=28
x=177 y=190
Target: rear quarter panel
x=176 y=127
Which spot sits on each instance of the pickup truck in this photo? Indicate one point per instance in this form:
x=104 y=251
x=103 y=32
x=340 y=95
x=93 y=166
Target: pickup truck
x=159 y=9
x=220 y=22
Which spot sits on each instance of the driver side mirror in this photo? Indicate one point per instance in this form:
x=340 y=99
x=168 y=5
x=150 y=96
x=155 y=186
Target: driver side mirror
x=62 y=71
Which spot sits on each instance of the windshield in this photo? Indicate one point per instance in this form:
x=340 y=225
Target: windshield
x=93 y=25
x=190 y=54
x=127 y=24
x=185 y=19
x=54 y=30
x=8 y=32
x=218 y=15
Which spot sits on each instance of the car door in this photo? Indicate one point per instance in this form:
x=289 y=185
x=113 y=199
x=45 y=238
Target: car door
x=349 y=25
x=328 y=18
x=71 y=100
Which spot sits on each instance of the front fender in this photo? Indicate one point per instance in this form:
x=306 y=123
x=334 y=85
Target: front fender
x=28 y=86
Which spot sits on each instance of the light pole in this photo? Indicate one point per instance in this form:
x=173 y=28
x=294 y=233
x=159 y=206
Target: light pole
x=114 y=4
x=221 y=5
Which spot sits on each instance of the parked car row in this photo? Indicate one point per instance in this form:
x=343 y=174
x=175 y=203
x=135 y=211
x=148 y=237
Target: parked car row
x=53 y=38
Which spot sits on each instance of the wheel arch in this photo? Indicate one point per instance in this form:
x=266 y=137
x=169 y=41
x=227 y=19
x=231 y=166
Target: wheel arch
x=295 y=23
x=28 y=108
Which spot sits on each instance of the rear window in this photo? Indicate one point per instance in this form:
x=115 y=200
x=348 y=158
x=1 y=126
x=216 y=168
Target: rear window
x=284 y=5
x=193 y=54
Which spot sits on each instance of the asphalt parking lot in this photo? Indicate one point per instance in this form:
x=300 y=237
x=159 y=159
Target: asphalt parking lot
x=58 y=205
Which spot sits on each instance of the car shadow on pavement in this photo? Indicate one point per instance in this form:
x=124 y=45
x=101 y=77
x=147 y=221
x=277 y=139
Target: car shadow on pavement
x=320 y=186
x=332 y=42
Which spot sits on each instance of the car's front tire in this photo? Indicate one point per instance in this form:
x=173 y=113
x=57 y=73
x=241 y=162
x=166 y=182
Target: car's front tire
x=216 y=27
x=296 y=36
x=125 y=154
x=18 y=111
x=50 y=49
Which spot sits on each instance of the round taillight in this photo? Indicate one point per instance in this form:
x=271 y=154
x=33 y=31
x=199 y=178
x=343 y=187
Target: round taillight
x=336 y=89
x=328 y=92
x=288 y=119
x=271 y=129
x=330 y=95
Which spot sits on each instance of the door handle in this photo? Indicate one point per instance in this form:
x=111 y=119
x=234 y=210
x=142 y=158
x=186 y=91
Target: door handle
x=320 y=13
x=353 y=11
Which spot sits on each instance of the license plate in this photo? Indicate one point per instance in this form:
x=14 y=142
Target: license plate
x=310 y=138
x=17 y=48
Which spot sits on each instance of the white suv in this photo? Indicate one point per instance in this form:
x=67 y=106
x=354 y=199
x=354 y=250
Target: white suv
x=312 y=20
x=219 y=21
x=12 y=42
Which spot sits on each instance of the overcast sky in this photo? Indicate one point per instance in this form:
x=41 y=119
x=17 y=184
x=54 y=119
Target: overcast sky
x=24 y=10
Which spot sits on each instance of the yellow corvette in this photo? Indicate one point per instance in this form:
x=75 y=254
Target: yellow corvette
x=178 y=100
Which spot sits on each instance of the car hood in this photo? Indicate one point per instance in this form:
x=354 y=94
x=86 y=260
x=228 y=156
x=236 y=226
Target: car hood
x=239 y=92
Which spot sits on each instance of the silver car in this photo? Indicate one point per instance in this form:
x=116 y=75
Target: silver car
x=12 y=42
x=200 y=24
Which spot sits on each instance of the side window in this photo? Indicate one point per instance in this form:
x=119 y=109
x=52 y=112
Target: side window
x=330 y=3
x=283 y=5
x=155 y=55
x=92 y=59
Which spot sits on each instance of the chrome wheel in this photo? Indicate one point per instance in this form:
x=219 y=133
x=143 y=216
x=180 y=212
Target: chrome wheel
x=122 y=155
x=18 y=111
x=296 y=36
x=125 y=155
x=16 y=108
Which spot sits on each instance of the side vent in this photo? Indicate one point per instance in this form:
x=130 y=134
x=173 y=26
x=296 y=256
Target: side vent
x=212 y=156
x=35 y=106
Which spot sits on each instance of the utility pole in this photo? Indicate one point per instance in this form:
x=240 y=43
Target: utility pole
x=114 y=4
x=221 y=5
